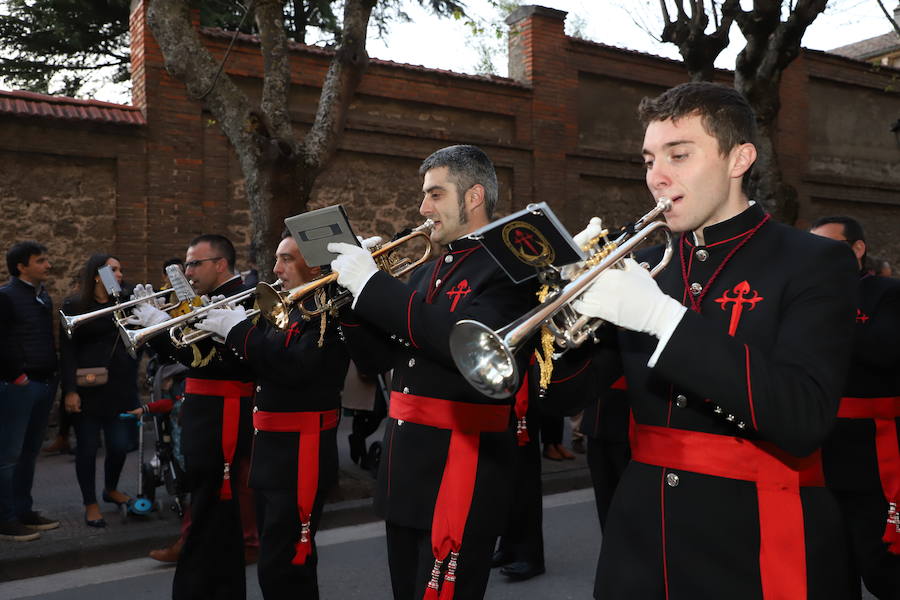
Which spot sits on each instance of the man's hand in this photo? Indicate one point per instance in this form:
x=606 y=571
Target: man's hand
x=593 y=229
x=145 y=291
x=631 y=299
x=354 y=266
x=222 y=320
x=72 y=402
x=146 y=315
x=369 y=242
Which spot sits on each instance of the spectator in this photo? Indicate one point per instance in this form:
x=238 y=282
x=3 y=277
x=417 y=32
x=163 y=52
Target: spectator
x=94 y=407
x=27 y=386
x=171 y=261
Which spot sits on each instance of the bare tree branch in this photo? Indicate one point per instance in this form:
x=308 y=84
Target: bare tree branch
x=890 y=19
x=276 y=66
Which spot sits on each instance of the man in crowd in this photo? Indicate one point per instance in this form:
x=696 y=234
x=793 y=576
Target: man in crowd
x=216 y=427
x=299 y=371
x=27 y=385
x=862 y=457
x=734 y=357
x=444 y=485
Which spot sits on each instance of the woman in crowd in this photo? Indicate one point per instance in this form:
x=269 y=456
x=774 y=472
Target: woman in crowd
x=95 y=405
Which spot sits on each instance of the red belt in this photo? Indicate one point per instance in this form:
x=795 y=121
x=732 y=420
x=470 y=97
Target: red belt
x=778 y=477
x=883 y=411
x=231 y=393
x=466 y=421
x=309 y=425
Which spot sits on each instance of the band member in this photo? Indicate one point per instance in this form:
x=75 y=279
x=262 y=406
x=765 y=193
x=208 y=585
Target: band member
x=445 y=479
x=299 y=373
x=216 y=425
x=861 y=456
x=734 y=357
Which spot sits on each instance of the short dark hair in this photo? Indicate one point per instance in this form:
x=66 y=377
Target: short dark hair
x=21 y=253
x=467 y=166
x=725 y=113
x=173 y=261
x=853 y=231
x=286 y=233
x=221 y=244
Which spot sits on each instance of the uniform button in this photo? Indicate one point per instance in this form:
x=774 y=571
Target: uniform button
x=393 y=336
x=672 y=479
x=255 y=431
x=730 y=418
x=412 y=362
x=437 y=283
x=406 y=344
x=696 y=288
x=406 y=390
x=259 y=388
x=718 y=410
x=702 y=254
x=448 y=259
x=399 y=422
x=680 y=401
x=741 y=425
x=256 y=409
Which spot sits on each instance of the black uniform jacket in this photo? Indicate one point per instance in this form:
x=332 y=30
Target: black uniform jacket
x=779 y=379
x=293 y=374
x=849 y=454
x=201 y=416
x=400 y=329
x=96 y=343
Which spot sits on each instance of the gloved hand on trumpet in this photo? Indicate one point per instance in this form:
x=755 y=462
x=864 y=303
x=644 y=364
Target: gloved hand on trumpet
x=221 y=321
x=355 y=264
x=146 y=313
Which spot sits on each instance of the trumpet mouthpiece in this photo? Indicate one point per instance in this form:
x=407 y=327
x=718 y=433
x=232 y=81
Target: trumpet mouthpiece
x=428 y=224
x=664 y=203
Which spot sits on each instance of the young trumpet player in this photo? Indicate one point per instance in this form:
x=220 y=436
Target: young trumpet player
x=445 y=481
x=217 y=432
x=299 y=372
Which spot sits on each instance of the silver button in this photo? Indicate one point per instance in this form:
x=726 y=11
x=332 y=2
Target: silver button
x=259 y=388
x=393 y=336
x=718 y=410
x=696 y=288
x=255 y=431
x=680 y=401
x=448 y=259
x=730 y=418
x=672 y=479
x=406 y=344
x=741 y=425
x=437 y=283
x=256 y=409
x=412 y=362
x=399 y=422
x=406 y=390
x=702 y=255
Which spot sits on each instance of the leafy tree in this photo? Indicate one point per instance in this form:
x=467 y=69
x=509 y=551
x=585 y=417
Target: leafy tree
x=773 y=30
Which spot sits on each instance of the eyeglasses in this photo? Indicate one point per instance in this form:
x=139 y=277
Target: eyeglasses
x=195 y=263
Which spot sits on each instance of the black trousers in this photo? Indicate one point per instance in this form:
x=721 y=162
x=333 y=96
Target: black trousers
x=410 y=560
x=523 y=538
x=606 y=462
x=279 y=528
x=865 y=514
x=211 y=564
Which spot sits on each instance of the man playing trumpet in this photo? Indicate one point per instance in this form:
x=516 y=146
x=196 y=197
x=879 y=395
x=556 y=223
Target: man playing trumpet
x=299 y=373
x=216 y=424
x=443 y=487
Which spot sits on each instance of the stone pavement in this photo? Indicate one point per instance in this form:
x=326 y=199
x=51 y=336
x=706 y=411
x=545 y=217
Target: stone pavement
x=75 y=545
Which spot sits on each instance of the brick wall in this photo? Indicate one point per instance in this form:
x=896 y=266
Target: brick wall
x=562 y=129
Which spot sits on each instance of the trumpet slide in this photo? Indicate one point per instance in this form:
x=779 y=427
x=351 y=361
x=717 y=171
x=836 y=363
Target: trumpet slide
x=486 y=358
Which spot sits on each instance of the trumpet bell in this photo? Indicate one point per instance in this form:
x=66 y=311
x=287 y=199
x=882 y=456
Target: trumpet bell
x=272 y=305
x=484 y=359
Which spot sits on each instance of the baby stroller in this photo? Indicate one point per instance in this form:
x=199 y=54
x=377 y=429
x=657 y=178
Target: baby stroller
x=166 y=465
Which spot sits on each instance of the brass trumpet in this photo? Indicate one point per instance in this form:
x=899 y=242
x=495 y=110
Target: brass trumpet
x=275 y=306
x=486 y=358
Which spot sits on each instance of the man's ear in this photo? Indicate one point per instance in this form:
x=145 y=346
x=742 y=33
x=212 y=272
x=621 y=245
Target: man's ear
x=744 y=156
x=474 y=197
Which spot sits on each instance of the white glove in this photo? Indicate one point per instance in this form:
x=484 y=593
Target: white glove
x=146 y=314
x=221 y=320
x=146 y=291
x=593 y=229
x=354 y=266
x=631 y=299
x=370 y=242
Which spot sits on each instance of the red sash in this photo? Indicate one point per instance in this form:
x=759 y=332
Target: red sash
x=231 y=393
x=778 y=477
x=309 y=425
x=883 y=411
x=466 y=421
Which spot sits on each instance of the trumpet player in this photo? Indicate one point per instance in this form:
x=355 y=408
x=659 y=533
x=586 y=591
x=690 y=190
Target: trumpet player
x=299 y=373
x=216 y=425
x=444 y=485
x=734 y=358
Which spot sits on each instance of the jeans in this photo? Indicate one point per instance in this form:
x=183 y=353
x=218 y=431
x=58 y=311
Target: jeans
x=24 y=411
x=117 y=433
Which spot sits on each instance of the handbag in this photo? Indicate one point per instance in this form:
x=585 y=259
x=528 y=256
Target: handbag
x=94 y=376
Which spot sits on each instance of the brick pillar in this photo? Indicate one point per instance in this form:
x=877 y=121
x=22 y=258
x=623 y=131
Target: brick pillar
x=538 y=56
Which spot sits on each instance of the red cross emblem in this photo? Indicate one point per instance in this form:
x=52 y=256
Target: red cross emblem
x=739 y=299
x=293 y=330
x=458 y=291
x=522 y=239
x=861 y=317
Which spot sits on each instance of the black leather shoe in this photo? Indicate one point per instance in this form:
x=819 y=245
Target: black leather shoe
x=98 y=523
x=500 y=558
x=522 y=570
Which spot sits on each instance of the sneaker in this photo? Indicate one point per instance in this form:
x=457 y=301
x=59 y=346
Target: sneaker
x=16 y=532
x=34 y=521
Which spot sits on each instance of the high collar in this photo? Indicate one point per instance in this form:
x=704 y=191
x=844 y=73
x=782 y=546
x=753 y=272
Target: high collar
x=34 y=289
x=732 y=228
x=463 y=243
x=227 y=286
